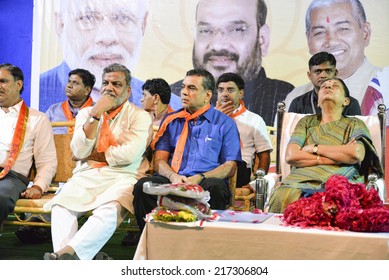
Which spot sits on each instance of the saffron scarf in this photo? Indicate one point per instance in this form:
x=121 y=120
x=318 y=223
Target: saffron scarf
x=68 y=113
x=180 y=146
x=240 y=111
x=17 y=140
x=106 y=138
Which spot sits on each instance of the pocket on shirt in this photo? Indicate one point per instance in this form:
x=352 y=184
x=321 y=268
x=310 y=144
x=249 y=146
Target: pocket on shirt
x=211 y=149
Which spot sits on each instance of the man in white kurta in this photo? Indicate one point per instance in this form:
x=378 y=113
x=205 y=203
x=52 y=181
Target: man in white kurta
x=255 y=141
x=102 y=182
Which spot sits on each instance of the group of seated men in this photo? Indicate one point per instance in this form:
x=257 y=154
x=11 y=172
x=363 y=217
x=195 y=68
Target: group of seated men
x=199 y=143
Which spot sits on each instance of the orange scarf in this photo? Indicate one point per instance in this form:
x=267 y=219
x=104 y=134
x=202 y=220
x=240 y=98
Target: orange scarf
x=169 y=109
x=240 y=111
x=106 y=138
x=17 y=140
x=180 y=146
x=68 y=113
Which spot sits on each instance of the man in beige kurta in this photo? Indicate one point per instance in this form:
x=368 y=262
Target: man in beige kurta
x=110 y=140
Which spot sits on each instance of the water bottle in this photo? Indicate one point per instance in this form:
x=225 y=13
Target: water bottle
x=372 y=179
x=260 y=189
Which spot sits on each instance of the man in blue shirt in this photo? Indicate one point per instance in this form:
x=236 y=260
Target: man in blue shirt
x=210 y=153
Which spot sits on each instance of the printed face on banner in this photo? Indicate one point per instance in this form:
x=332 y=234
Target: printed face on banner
x=228 y=38
x=94 y=34
x=334 y=29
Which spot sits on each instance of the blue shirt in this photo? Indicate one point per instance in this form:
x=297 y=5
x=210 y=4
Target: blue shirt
x=55 y=113
x=212 y=140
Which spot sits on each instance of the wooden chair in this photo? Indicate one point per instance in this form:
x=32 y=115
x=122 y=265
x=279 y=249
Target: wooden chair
x=286 y=122
x=27 y=209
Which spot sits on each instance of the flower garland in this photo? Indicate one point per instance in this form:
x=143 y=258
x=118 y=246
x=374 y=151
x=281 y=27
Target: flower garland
x=343 y=205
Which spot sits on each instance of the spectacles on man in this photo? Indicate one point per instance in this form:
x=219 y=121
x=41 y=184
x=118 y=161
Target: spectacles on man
x=229 y=90
x=234 y=32
x=92 y=20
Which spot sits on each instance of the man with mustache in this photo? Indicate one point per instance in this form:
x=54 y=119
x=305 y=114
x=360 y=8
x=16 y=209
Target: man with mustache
x=232 y=36
x=339 y=27
x=322 y=66
x=196 y=144
x=78 y=89
x=255 y=141
x=26 y=135
x=110 y=140
x=93 y=34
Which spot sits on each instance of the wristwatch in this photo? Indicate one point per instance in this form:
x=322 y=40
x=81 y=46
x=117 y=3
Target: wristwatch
x=203 y=178
x=315 y=149
x=93 y=118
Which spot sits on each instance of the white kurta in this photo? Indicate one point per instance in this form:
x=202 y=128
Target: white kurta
x=91 y=187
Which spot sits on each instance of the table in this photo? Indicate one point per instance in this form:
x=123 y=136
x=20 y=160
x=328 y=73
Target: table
x=267 y=241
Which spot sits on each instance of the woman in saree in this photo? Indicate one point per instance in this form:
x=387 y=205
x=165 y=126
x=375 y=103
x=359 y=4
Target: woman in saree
x=326 y=144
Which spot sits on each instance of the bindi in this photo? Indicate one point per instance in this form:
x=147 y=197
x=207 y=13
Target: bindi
x=328 y=20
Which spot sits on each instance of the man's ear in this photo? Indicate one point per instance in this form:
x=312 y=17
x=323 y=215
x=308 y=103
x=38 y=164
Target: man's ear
x=19 y=84
x=144 y=23
x=208 y=96
x=59 y=24
x=157 y=98
x=88 y=90
x=241 y=94
x=264 y=39
x=366 y=29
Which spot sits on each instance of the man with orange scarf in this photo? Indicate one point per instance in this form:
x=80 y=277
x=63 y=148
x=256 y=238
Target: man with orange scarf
x=256 y=145
x=78 y=89
x=110 y=140
x=196 y=144
x=25 y=136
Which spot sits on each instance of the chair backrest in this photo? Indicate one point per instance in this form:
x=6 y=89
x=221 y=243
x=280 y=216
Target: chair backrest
x=286 y=123
x=65 y=164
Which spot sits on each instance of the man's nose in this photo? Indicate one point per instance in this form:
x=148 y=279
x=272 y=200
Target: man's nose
x=330 y=38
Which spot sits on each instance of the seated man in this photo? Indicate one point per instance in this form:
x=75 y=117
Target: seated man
x=156 y=95
x=109 y=140
x=78 y=89
x=322 y=66
x=326 y=144
x=256 y=146
x=196 y=144
x=25 y=136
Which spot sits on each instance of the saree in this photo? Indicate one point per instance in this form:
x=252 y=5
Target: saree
x=303 y=181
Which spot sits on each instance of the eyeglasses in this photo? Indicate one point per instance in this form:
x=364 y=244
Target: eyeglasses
x=229 y=90
x=234 y=32
x=92 y=20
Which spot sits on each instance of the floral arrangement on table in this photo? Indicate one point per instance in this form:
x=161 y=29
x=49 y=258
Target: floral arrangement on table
x=343 y=205
x=181 y=202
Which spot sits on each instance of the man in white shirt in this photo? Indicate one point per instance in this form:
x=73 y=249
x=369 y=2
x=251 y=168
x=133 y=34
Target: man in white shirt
x=255 y=142
x=26 y=136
